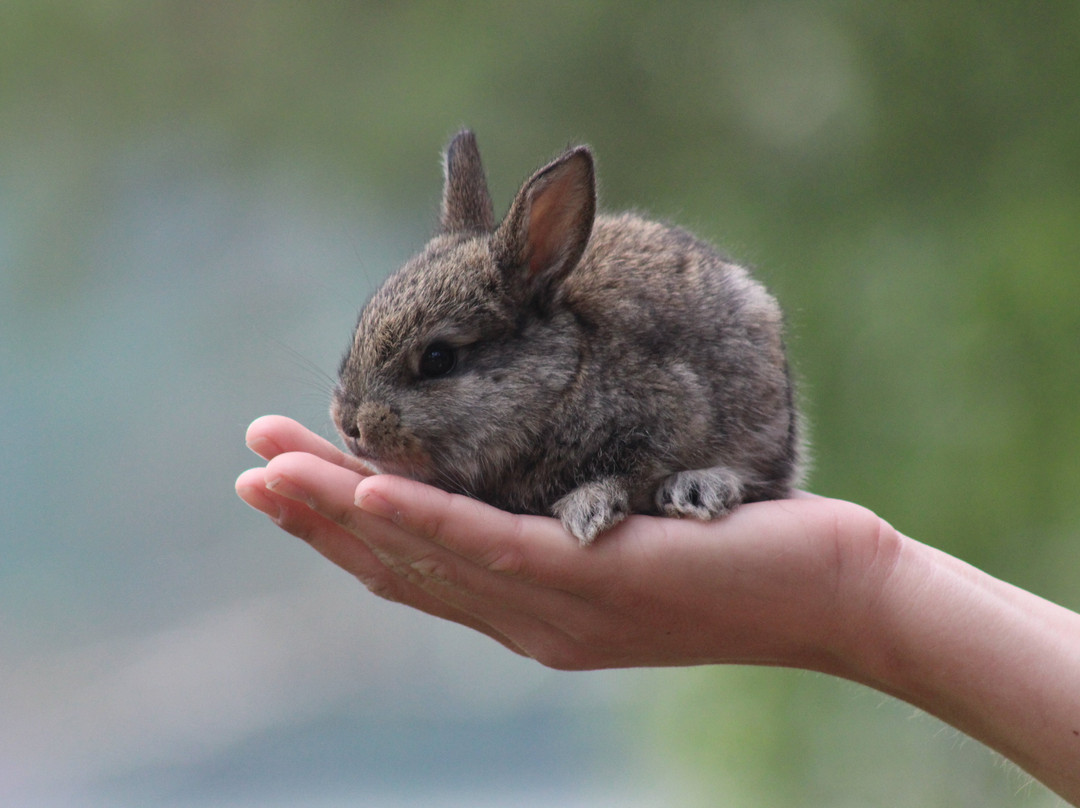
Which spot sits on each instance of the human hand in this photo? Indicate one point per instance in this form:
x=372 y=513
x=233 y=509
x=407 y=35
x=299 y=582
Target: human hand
x=768 y=584
x=806 y=582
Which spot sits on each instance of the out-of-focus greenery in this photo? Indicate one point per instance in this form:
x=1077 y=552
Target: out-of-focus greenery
x=905 y=176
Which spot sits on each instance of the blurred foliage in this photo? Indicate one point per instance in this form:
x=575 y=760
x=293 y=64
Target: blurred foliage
x=906 y=177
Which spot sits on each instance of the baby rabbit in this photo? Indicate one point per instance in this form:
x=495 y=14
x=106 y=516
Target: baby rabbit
x=570 y=364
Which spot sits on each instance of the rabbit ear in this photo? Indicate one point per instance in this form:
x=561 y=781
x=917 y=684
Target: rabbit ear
x=466 y=203
x=549 y=222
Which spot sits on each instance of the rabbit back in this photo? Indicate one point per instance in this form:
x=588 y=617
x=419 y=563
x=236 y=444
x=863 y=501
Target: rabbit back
x=691 y=348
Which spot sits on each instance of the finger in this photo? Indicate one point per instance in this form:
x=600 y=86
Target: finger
x=314 y=500
x=484 y=561
x=530 y=617
x=251 y=488
x=319 y=482
x=272 y=435
x=347 y=551
x=530 y=548
x=286 y=502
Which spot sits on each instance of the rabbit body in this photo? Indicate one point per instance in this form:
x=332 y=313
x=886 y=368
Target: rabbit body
x=569 y=364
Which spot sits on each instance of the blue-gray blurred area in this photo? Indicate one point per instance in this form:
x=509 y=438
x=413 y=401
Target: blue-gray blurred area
x=196 y=198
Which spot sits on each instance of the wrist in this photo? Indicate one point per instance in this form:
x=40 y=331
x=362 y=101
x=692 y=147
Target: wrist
x=875 y=565
x=884 y=622
x=830 y=617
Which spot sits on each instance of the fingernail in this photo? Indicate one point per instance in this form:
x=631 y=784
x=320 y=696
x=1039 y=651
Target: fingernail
x=286 y=488
x=376 y=505
x=263 y=447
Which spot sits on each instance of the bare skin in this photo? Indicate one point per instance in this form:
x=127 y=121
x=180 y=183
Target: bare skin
x=809 y=582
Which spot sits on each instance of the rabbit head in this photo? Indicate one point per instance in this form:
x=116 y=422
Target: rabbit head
x=458 y=356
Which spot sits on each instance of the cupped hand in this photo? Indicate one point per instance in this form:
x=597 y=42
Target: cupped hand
x=805 y=582
x=768 y=584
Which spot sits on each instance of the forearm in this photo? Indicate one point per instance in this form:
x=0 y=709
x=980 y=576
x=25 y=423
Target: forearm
x=995 y=661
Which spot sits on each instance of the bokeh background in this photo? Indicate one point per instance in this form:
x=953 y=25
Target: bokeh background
x=196 y=198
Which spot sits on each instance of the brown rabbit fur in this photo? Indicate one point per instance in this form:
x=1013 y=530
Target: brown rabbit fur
x=570 y=364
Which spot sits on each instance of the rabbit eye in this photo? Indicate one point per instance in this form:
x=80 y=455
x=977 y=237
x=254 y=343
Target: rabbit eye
x=437 y=360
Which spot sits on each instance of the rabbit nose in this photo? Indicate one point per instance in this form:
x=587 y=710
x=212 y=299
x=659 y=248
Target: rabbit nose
x=375 y=422
x=345 y=415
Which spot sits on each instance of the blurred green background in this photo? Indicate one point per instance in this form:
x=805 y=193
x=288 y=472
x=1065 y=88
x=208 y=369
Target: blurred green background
x=196 y=198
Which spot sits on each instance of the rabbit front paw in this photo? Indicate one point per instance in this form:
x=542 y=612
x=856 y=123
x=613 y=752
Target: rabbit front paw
x=592 y=508
x=701 y=493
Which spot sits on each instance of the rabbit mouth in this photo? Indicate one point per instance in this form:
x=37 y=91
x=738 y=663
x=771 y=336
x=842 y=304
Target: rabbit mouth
x=406 y=466
x=390 y=467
